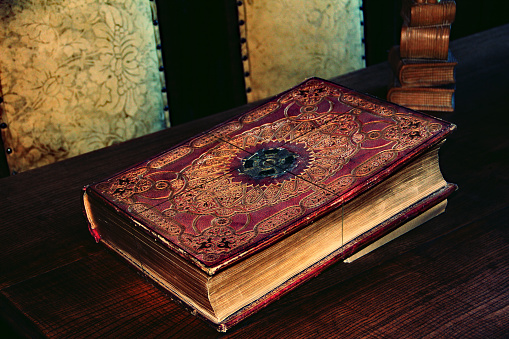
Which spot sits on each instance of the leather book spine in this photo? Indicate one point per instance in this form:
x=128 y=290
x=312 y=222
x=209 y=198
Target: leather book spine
x=422 y=72
x=430 y=42
x=428 y=14
x=426 y=75
x=423 y=99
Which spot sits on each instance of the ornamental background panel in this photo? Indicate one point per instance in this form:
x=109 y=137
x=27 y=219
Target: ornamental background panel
x=287 y=42
x=77 y=76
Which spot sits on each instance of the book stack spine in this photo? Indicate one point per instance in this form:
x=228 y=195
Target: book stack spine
x=423 y=65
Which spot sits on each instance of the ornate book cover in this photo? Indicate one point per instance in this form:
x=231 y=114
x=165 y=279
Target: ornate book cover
x=243 y=186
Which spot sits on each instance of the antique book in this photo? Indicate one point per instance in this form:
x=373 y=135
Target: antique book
x=422 y=72
x=439 y=98
x=416 y=13
x=428 y=42
x=234 y=217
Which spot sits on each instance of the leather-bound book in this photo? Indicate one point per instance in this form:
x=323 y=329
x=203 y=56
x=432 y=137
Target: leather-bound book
x=234 y=217
x=416 y=13
x=429 y=42
x=439 y=98
x=422 y=72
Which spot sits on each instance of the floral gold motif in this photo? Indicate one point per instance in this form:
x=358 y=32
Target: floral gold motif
x=256 y=176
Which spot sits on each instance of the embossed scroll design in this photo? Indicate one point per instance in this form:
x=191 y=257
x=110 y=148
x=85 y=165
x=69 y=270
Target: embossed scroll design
x=240 y=201
x=212 y=207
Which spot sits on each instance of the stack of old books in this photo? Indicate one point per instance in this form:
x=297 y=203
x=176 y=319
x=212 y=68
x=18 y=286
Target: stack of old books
x=423 y=65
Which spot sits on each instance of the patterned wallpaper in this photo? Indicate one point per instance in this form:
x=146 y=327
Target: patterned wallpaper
x=77 y=75
x=285 y=42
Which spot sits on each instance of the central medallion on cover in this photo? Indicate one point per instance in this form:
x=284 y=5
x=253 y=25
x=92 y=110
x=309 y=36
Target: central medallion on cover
x=271 y=162
x=267 y=165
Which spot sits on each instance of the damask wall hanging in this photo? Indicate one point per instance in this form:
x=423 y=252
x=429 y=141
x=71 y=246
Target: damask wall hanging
x=76 y=76
x=284 y=42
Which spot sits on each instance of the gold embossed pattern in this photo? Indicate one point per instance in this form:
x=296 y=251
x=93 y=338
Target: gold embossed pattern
x=212 y=207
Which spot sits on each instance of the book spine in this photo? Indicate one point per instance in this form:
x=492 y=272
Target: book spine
x=431 y=42
x=425 y=99
x=426 y=75
x=428 y=14
x=421 y=72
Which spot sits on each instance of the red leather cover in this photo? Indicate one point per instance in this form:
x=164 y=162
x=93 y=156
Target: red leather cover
x=237 y=188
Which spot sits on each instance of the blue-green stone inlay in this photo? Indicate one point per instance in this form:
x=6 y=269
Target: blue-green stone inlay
x=269 y=163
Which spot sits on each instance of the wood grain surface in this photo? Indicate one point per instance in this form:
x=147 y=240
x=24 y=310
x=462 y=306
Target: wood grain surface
x=447 y=278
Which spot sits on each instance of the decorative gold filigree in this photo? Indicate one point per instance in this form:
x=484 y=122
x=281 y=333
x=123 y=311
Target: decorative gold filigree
x=374 y=163
x=171 y=156
x=259 y=113
x=358 y=102
x=215 y=240
x=279 y=219
x=225 y=205
x=311 y=93
x=164 y=224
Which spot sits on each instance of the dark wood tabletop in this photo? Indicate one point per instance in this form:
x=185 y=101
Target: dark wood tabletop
x=447 y=278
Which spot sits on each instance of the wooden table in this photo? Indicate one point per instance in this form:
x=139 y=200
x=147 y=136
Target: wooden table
x=447 y=278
